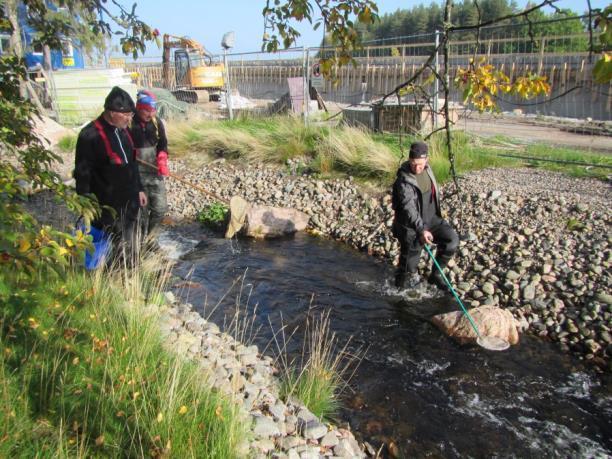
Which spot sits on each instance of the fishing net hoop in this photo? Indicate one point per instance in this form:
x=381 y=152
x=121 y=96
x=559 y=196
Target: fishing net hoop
x=493 y=343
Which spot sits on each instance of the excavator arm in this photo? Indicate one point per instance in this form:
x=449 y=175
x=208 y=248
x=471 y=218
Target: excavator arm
x=201 y=73
x=173 y=41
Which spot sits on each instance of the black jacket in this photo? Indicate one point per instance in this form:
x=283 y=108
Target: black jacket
x=112 y=176
x=149 y=134
x=407 y=200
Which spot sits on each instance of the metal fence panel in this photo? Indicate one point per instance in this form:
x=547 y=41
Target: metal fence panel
x=260 y=80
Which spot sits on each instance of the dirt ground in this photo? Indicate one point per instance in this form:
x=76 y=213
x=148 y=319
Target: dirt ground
x=537 y=134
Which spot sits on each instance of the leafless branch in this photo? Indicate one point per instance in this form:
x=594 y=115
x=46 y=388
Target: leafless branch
x=414 y=77
x=428 y=136
x=591 y=45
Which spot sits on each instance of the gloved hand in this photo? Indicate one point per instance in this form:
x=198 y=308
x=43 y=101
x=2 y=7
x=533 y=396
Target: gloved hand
x=162 y=164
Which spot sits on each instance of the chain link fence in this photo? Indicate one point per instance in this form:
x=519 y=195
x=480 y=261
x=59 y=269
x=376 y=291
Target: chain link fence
x=263 y=84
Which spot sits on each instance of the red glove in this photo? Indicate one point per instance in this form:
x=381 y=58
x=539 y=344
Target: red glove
x=162 y=164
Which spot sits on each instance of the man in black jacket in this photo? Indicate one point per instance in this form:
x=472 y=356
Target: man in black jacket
x=149 y=136
x=418 y=220
x=105 y=166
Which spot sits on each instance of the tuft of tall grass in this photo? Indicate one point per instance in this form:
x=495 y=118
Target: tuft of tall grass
x=323 y=370
x=354 y=151
x=212 y=138
x=278 y=139
x=357 y=152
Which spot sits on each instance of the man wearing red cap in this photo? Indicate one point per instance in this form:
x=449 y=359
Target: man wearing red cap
x=150 y=140
x=418 y=219
x=105 y=166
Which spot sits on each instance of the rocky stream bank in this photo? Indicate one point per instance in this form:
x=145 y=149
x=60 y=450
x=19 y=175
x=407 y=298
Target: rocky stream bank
x=534 y=242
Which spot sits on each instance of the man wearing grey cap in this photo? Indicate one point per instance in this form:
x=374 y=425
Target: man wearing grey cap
x=105 y=166
x=418 y=219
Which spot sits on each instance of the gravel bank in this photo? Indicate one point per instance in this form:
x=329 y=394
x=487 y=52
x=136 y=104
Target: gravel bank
x=535 y=242
x=281 y=430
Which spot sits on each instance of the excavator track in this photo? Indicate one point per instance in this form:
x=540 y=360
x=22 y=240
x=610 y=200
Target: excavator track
x=192 y=96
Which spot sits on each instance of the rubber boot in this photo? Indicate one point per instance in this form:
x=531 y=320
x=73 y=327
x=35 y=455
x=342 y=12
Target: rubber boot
x=407 y=280
x=400 y=278
x=436 y=277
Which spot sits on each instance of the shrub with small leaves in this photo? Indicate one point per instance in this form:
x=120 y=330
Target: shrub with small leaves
x=213 y=215
x=26 y=246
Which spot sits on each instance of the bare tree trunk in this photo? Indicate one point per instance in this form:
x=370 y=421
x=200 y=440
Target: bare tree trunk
x=446 y=83
x=11 y=13
x=47 y=58
x=15 y=41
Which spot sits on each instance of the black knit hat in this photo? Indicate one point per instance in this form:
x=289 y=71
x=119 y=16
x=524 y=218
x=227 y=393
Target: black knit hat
x=418 y=150
x=119 y=100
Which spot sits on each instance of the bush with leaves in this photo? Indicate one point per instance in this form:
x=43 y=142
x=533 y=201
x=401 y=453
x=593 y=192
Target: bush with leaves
x=25 y=245
x=602 y=72
x=213 y=215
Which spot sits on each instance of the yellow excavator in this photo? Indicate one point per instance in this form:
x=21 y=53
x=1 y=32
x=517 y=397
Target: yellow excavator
x=198 y=78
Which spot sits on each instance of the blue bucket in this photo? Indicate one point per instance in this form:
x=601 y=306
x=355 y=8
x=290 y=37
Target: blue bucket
x=102 y=247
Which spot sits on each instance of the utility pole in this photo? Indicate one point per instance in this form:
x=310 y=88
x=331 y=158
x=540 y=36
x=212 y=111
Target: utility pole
x=306 y=59
x=436 y=81
x=227 y=42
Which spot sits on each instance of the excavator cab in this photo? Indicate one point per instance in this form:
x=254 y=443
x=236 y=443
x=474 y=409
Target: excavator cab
x=181 y=68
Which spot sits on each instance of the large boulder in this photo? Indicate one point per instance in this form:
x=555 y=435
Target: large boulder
x=490 y=321
x=265 y=221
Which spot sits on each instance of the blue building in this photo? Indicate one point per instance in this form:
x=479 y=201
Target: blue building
x=70 y=56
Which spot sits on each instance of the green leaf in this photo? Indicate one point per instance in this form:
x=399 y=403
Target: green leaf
x=602 y=72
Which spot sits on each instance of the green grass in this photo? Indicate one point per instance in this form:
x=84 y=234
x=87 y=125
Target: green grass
x=67 y=143
x=368 y=156
x=275 y=140
x=83 y=374
x=567 y=154
x=323 y=370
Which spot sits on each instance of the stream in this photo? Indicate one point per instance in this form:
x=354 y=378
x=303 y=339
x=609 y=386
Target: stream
x=414 y=388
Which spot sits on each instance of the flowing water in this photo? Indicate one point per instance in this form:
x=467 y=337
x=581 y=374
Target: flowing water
x=415 y=387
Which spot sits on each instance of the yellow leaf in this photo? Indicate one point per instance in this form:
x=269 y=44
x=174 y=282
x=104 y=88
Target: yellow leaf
x=182 y=409
x=69 y=242
x=136 y=395
x=24 y=245
x=160 y=417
